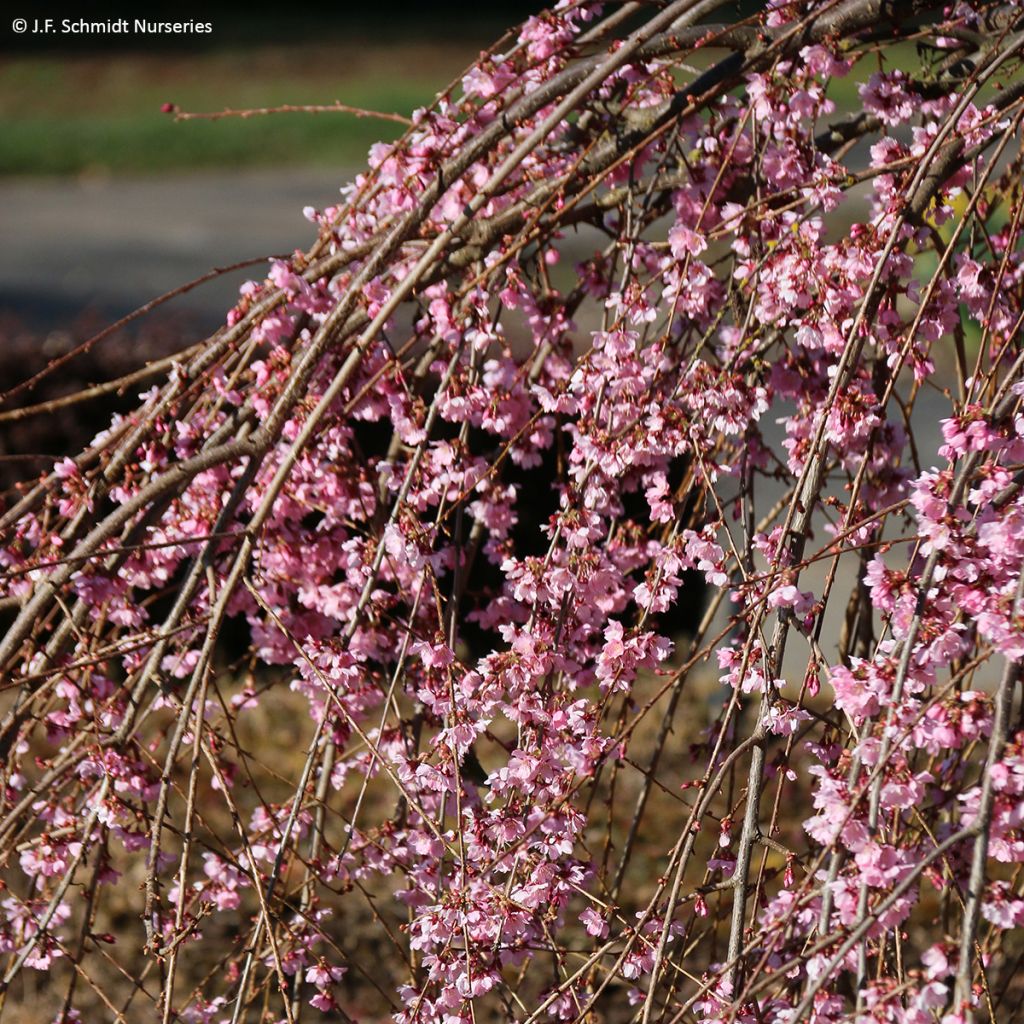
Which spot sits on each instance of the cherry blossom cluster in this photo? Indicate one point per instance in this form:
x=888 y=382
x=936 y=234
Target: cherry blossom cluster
x=585 y=584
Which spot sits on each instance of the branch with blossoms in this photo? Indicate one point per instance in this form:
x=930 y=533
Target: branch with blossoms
x=585 y=584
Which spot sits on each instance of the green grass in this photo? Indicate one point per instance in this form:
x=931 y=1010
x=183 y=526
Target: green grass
x=146 y=143
x=92 y=113
x=101 y=113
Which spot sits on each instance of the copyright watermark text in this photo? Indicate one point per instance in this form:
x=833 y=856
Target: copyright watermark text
x=109 y=27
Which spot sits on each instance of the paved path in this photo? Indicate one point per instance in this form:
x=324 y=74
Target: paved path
x=116 y=243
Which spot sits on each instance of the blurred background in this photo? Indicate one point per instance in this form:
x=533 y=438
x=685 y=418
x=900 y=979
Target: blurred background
x=108 y=202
